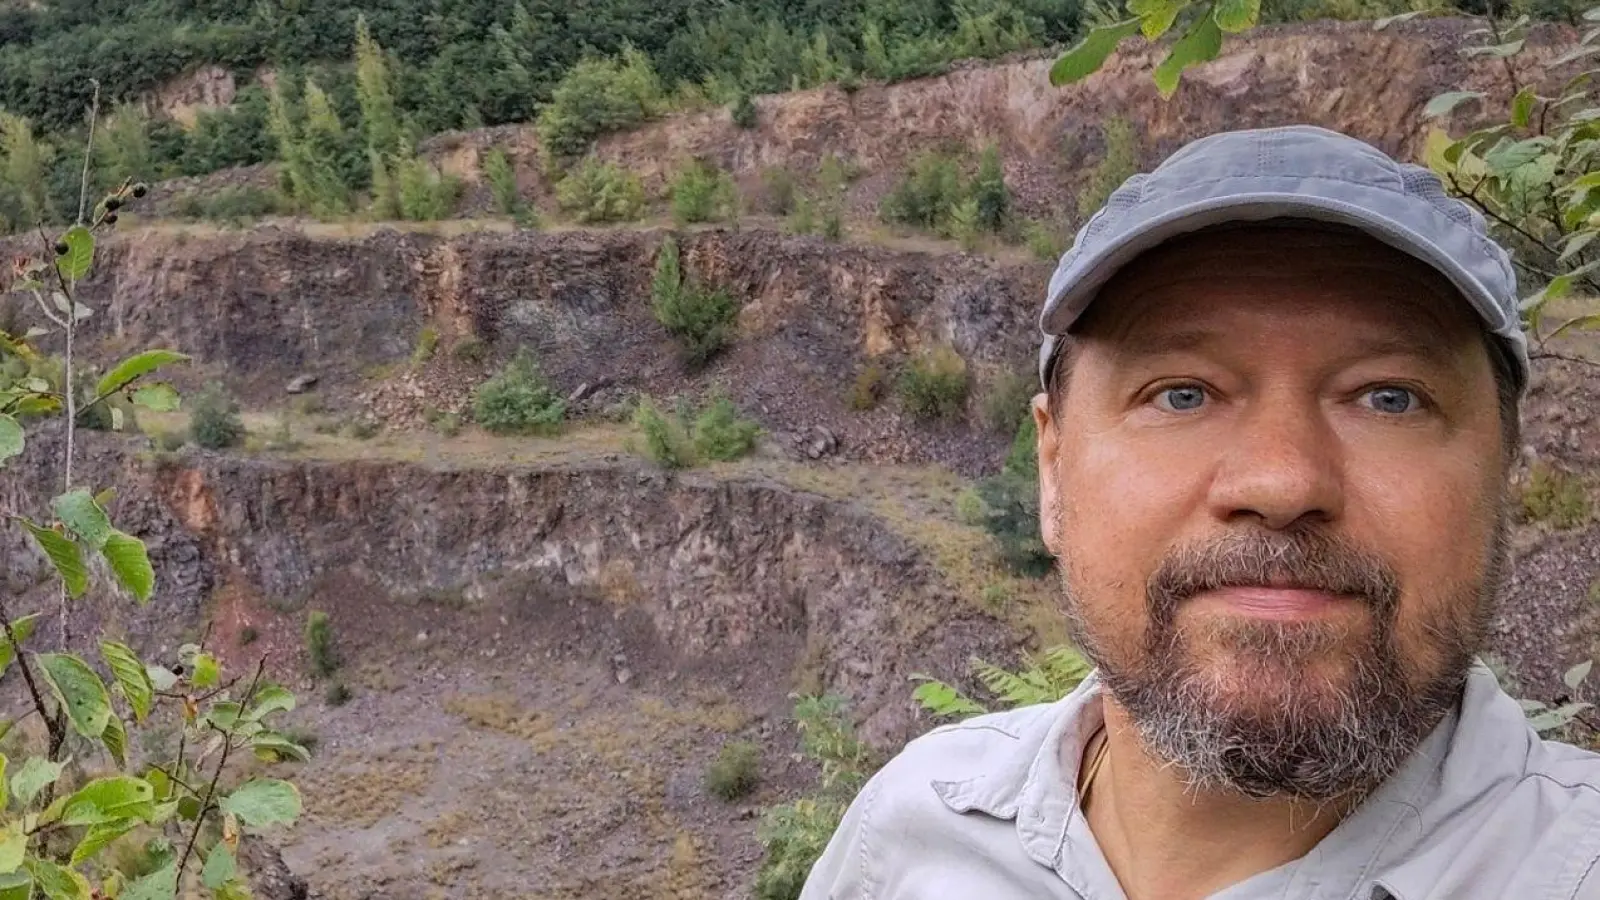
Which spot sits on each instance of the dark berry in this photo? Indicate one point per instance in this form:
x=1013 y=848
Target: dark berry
x=139 y=190
x=111 y=218
x=62 y=248
x=178 y=670
x=113 y=203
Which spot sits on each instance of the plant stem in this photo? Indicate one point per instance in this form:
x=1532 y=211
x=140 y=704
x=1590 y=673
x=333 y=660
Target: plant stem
x=51 y=725
x=216 y=776
x=88 y=152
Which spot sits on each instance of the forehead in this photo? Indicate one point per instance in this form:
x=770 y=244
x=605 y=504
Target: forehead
x=1282 y=275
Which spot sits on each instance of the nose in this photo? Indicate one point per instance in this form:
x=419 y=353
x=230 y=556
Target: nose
x=1280 y=467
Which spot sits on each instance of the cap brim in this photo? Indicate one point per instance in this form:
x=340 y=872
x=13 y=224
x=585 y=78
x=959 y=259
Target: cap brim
x=1067 y=304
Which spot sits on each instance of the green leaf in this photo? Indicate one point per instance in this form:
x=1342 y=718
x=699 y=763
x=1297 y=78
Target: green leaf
x=136 y=366
x=16 y=886
x=74 y=264
x=206 y=671
x=1201 y=44
x=1522 y=107
x=23 y=629
x=944 y=700
x=1444 y=104
x=1498 y=51
x=11 y=438
x=161 y=677
x=273 y=747
x=132 y=677
x=269 y=699
x=264 y=801
x=220 y=866
x=57 y=883
x=99 y=836
x=162 y=884
x=80 y=690
x=37 y=406
x=130 y=563
x=1576 y=243
x=115 y=737
x=1582 y=323
x=1090 y=53
x=1577 y=674
x=158 y=397
x=234 y=890
x=83 y=517
x=13 y=847
x=108 y=799
x=64 y=555
x=1557 y=718
x=1156 y=16
x=1510 y=155
x=1234 y=16
x=36 y=774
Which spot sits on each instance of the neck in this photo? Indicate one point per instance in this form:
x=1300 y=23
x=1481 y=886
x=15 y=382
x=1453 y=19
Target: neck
x=1165 y=840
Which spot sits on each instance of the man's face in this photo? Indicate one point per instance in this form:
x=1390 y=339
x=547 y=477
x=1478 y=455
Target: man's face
x=1276 y=491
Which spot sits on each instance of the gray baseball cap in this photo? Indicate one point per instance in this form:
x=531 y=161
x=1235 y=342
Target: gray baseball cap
x=1299 y=172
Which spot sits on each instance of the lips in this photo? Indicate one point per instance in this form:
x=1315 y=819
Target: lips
x=1282 y=600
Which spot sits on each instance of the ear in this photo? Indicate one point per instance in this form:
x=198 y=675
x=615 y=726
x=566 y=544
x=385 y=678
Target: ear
x=1049 y=446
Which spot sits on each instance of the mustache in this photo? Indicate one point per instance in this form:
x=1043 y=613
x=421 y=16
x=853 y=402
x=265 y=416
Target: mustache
x=1310 y=558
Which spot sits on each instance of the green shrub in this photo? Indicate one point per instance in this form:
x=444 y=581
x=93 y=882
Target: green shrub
x=502 y=180
x=1046 y=241
x=666 y=440
x=247 y=636
x=449 y=424
x=234 y=205
x=720 y=434
x=867 y=391
x=518 y=400
x=934 y=385
x=701 y=319
x=702 y=193
x=1045 y=678
x=803 y=217
x=927 y=193
x=427 y=343
x=597 y=96
x=1011 y=506
x=1010 y=395
x=989 y=192
x=1023 y=458
x=214 y=421
x=319 y=644
x=735 y=772
x=1558 y=498
x=1119 y=163
x=969 y=508
x=599 y=192
x=471 y=350
x=964 y=225
x=777 y=191
x=168 y=441
x=744 y=112
x=425 y=194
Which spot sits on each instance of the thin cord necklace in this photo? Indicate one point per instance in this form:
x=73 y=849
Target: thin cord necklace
x=1086 y=781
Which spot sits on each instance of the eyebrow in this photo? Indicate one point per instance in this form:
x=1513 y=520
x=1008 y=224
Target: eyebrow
x=1141 y=346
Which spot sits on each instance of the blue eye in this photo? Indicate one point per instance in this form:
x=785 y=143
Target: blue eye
x=1182 y=399
x=1393 y=400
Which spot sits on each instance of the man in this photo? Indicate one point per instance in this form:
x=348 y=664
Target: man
x=1282 y=375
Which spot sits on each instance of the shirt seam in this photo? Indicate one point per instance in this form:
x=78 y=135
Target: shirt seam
x=1587 y=871
x=869 y=801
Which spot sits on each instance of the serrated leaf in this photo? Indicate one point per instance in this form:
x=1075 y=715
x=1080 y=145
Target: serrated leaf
x=74 y=264
x=269 y=699
x=264 y=801
x=64 y=556
x=942 y=699
x=80 y=691
x=13 y=847
x=162 y=884
x=134 y=367
x=1445 y=103
x=132 y=677
x=12 y=440
x=23 y=629
x=1200 y=44
x=115 y=737
x=1511 y=155
x=159 y=397
x=109 y=799
x=206 y=671
x=1090 y=54
x=1234 y=16
x=130 y=564
x=83 y=517
x=1522 y=107
x=219 y=868
x=1577 y=674
x=36 y=774
x=99 y=836
x=56 y=882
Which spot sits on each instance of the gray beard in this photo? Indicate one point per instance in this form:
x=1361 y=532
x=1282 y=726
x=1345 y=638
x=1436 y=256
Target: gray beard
x=1319 y=741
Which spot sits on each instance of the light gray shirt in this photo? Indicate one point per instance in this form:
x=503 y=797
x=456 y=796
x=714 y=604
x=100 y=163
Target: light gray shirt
x=988 y=809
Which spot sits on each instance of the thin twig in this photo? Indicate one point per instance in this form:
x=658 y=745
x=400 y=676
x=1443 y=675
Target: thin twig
x=1551 y=354
x=51 y=725
x=88 y=152
x=216 y=776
